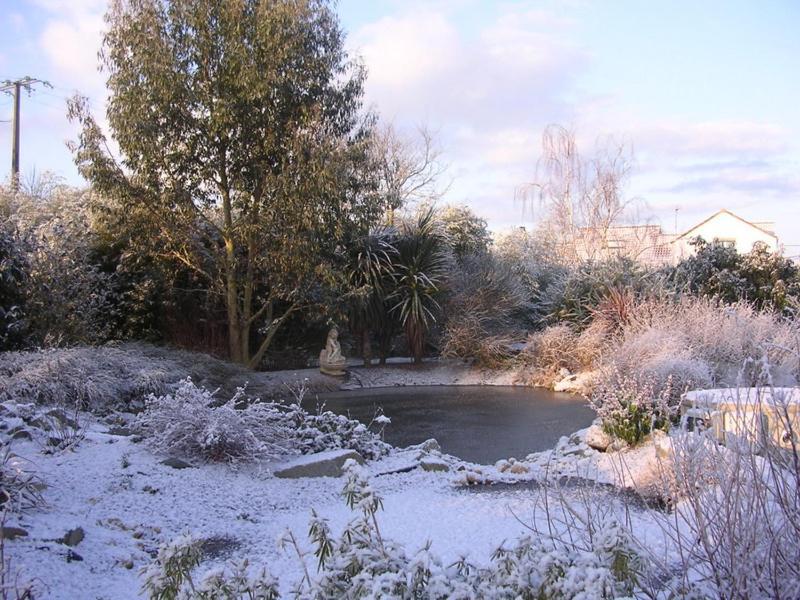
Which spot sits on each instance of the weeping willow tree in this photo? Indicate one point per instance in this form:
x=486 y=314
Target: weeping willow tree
x=242 y=148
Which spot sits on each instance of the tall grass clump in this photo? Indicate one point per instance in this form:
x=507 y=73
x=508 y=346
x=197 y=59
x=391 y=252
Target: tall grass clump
x=96 y=379
x=105 y=378
x=483 y=311
x=20 y=485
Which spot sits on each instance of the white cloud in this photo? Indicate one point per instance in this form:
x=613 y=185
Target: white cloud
x=513 y=70
x=72 y=7
x=403 y=51
x=717 y=138
x=488 y=90
x=71 y=42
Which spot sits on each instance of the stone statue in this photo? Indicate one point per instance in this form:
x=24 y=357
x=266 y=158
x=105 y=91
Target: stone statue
x=331 y=361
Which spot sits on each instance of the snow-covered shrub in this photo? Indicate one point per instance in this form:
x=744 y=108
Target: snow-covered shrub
x=361 y=563
x=466 y=337
x=591 y=344
x=20 y=486
x=533 y=258
x=96 y=379
x=328 y=431
x=764 y=278
x=68 y=293
x=169 y=576
x=576 y=294
x=737 y=526
x=191 y=422
x=551 y=349
x=548 y=352
x=106 y=378
x=631 y=407
x=483 y=310
x=13 y=267
x=663 y=356
x=701 y=342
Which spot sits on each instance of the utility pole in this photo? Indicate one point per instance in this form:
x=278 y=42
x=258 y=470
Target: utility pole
x=17 y=86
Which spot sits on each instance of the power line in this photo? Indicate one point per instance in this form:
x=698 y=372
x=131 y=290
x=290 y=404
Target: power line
x=15 y=88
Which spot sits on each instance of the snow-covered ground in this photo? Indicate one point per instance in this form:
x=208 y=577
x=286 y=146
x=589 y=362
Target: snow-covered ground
x=127 y=503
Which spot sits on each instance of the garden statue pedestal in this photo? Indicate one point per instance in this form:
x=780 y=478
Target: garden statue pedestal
x=331 y=361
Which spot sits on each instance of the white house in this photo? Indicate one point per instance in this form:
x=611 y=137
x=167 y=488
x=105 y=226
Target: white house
x=650 y=245
x=728 y=229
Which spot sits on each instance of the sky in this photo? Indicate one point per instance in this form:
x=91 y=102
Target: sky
x=705 y=94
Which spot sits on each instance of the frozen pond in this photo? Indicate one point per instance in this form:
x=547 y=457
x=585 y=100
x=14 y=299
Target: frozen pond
x=477 y=423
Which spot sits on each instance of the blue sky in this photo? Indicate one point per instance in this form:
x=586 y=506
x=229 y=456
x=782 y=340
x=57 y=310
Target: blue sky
x=706 y=93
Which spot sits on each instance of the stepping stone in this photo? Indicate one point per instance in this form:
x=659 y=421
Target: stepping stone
x=320 y=464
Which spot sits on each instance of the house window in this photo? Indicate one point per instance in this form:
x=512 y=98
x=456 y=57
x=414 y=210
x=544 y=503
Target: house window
x=726 y=242
x=661 y=251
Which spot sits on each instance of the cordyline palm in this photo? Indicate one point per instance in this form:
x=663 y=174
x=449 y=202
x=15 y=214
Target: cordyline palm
x=369 y=277
x=419 y=268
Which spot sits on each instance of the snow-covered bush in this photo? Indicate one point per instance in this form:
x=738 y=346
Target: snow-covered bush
x=737 y=526
x=169 y=576
x=192 y=423
x=631 y=407
x=68 y=294
x=764 y=278
x=483 y=310
x=13 y=267
x=20 y=486
x=534 y=260
x=95 y=379
x=551 y=349
x=105 y=378
x=701 y=342
x=548 y=352
x=327 y=430
x=666 y=348
x=467 y=338
x=576 y=294
x=362 y=563
x=659 y=355
x=189 y=422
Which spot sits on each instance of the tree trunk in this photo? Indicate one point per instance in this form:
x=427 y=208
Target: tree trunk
x=232 y=302
x=415 y=335
x=244 y=342
x=272 y=328
x=366 y=347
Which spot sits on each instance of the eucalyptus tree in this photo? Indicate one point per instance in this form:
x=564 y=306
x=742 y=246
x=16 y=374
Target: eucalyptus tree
x=242 y=142
x=13 y=270
x=467 y=233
